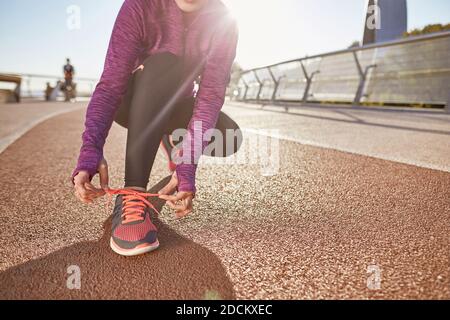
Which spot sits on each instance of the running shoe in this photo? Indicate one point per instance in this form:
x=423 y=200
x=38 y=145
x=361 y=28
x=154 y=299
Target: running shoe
x=133 y=232
x=166 y=145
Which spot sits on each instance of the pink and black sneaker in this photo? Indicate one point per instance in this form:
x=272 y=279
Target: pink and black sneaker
x=133 y=232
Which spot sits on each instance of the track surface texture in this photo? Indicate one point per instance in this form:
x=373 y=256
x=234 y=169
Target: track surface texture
x=311 y=230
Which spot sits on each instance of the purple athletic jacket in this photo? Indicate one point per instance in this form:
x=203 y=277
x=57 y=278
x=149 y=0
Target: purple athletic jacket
x=144 y=28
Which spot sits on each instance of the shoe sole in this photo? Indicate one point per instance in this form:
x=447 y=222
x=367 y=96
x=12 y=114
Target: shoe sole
x=134 y=252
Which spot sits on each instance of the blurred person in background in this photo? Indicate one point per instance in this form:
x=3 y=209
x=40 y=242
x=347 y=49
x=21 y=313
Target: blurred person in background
x=69 y=87
x=69 y=72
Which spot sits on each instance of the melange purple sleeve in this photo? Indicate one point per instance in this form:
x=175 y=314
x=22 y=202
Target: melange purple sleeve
x=124 y=48
x=210 y=100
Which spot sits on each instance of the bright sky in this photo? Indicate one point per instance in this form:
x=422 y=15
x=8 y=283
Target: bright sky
x=34 y=36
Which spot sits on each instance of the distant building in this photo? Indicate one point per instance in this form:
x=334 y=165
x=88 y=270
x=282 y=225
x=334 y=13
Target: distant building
x=386 y=20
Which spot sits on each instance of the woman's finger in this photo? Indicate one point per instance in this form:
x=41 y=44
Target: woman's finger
x=187 y=203
x=179 y=196
x=86 y=196
x=183 y=214
x=94 y=192
x=83 y=193
x=174 y=198
x=83 y=199
x=176 y=206
x=104 y=175
x=90 y=187
x=79 y=186
x=184 y=205
x=82 y=189
x=169 y=189
x=180 y=206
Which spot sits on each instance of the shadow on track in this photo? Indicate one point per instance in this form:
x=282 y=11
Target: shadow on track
x=352 y=119
x=180 y=269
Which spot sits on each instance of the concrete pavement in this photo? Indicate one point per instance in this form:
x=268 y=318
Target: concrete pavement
x=316 y=229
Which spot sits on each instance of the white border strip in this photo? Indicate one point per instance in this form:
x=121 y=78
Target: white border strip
x=351 y=151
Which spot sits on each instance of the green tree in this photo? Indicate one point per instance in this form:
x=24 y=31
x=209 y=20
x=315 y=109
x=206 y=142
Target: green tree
x=431 y=28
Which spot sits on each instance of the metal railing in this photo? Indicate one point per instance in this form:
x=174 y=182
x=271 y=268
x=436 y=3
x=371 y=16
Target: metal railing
x=34 y=85
x=411 y=71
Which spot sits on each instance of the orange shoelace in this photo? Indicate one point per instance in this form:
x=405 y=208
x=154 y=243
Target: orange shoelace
x=134 y=204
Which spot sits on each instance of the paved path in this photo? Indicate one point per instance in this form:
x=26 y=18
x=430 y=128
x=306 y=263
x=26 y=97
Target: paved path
x=310 y=231
x=17 y=119
x=413 y=136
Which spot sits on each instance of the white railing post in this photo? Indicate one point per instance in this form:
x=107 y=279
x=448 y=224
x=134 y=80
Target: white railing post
x=261 y=84
x=362 y=79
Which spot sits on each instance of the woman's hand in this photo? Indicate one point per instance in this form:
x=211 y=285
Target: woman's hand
x=85 y=190
x=182 y=202
x=171 y=187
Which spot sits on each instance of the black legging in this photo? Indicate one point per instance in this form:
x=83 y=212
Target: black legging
x=151 y=109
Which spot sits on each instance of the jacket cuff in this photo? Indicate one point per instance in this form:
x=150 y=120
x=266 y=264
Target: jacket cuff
x=186 y=178
x=88 y=161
